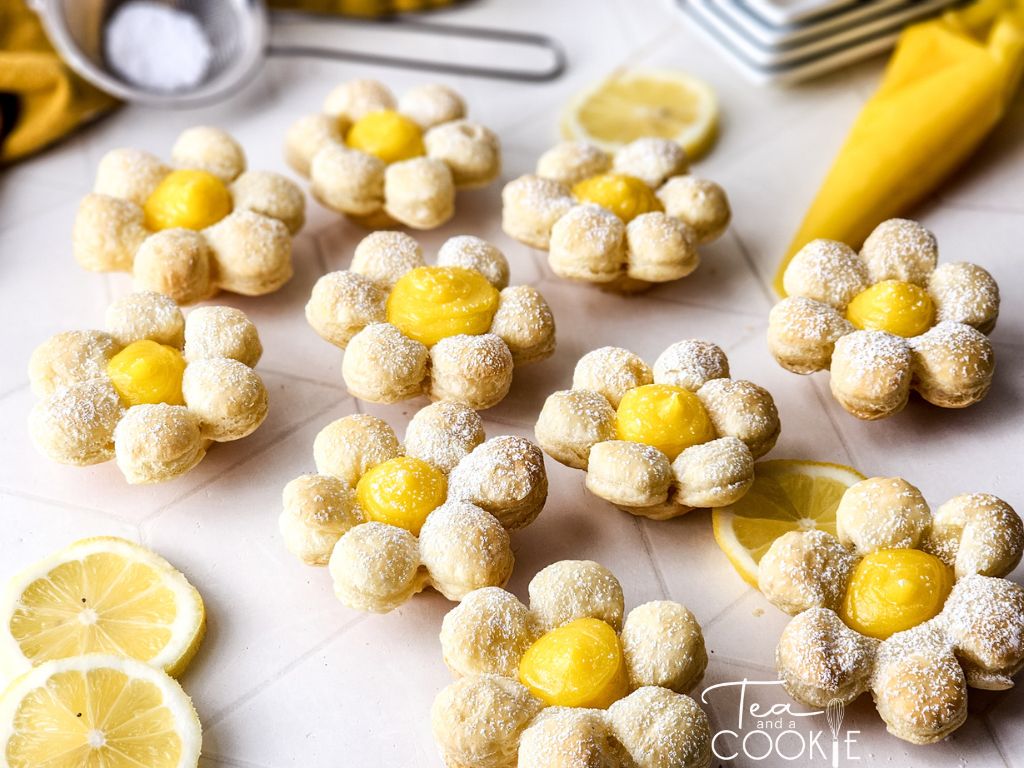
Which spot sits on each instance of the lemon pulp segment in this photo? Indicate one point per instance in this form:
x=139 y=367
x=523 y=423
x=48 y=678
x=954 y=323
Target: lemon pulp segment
x=432 y=303
x=625 y=196
x=902 y=309
x=892 y=590
x=387 y=135
x=577 y=665
x=148 y=372
x=402 y=492
x=187 y=199
x=669 y=418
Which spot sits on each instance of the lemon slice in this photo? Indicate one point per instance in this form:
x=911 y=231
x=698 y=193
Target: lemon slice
x=632 y=104
x=786 y=496
x=97 y=711
x=101 y=595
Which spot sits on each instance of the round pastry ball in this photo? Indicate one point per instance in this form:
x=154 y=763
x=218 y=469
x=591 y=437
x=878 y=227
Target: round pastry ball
x=375 y=567
x=700 y=203
x=270 y=194
x=743 y=410
x=953 y=365
x=713 y=474
x=690 y=364
x=470 y=150
x=488 y=632
x=383 y=365
x=475 y=370
x=475 y=253
x=146 y=315
x=611 y=372
x=351 y=446
x=575 y=589
x=524 y=321
x=530 y=206
x=253 y=253
x=668 y=729
x=307 y=136
x=209 y=149
x=175 y=262
x=464 y=548
x=318 y=509
x=227 y=396
x=652 y=160
x=70 y=357
x=385 y=256
x=827 y=271
x=343 y=303
x=664 y=646
x=504 y=476
x=443 y=434
x=882 y=513
x=588 y=243
x=221 y=332
x=432 y=104
x=347 y=181
x=803 y=570
x=571 y=423
x=75 y=424
x=158 y=442
x=572 y=161
x=356 y=98
x=107 y=233
x=900 y=249
x=129 y=174
x=420 y=192
x=567 y=737
x=629 y=474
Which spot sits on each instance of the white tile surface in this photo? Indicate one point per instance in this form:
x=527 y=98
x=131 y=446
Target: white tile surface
x=288 y=676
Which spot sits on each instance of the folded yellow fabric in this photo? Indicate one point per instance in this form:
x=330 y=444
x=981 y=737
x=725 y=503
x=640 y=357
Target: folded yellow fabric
x=948 y=83
x=40 y=98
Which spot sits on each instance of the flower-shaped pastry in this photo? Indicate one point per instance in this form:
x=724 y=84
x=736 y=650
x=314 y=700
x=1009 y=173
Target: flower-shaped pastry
x=887 y=320
x=452 y=331
x=206 y=224
x=909 y=605
x=383 y=162
x=660 y=442
x=567 y=682
x=153 y=391
x=389 y=520
x=623 y=221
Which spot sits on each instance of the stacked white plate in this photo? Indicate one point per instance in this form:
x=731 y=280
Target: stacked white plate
x=787 y=41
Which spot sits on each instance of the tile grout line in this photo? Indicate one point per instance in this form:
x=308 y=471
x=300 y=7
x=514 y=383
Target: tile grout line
x=994 y=736
x=645 y=541
x=67 y=506
x=249 y=695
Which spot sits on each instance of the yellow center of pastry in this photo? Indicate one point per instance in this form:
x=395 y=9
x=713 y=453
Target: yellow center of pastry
x=669 y=418
x=147 y=372
x=188 y=199
x=402 y=492
x=902 y=309
x=577 y=665
x=895 y=589
x=388 y=135
x=625 y=196
x=431 y=303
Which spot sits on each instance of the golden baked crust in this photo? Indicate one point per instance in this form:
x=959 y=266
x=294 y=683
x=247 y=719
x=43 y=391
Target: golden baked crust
x=872 y=372
x=487 y=717
x=418 y=192
x=590 y=243
x=577 y=427
x=81 y=419
x=249 y=251
x=383 y=365
x=493 y=487
x=918 y=677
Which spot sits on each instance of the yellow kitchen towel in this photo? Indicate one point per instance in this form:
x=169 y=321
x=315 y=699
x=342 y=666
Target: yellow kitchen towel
x=41 y=99
x=948 y=83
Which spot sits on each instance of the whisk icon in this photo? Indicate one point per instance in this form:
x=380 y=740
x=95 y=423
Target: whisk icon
x=834 y=716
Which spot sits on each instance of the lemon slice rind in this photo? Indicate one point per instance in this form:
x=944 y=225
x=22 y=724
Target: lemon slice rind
x=186 y=630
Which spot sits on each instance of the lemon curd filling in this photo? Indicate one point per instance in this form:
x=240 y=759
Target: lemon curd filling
x=147 y=372
x=187 y=199
x=900 y=308
x=669 y=418
x=625 y=196
x=402 y=492
x=577 y=665
x=431 y=303
x=892 y=590
x=387 y=135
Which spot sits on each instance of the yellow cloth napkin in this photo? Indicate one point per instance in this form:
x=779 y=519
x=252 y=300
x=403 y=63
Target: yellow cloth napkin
x=948 y=83
x=40 y=98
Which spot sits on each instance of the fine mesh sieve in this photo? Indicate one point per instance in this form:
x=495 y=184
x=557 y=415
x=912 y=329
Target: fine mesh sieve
x=238 y=32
